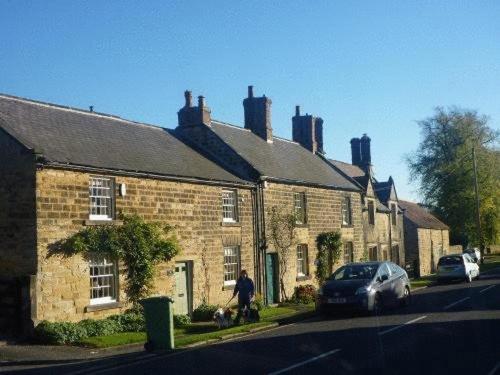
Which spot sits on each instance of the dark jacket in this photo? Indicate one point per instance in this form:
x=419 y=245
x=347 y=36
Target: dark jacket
x=244 y=288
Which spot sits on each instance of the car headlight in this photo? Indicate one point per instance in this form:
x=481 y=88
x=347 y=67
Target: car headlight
x=363 y=290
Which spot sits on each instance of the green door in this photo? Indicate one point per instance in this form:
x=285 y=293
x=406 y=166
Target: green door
x=272 y=279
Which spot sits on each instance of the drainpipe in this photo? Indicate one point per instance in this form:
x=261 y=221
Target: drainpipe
x=261 y=240
x=256 y=254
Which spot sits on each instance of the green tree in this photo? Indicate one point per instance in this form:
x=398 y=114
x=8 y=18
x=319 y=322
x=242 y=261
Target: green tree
x=443 y=166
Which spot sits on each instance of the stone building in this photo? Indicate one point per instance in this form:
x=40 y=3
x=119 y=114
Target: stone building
x=289 y=174
x=63 y=169
x=426 y=238
x=382 y=217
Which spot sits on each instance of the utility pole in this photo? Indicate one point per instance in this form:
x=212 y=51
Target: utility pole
x=478 y=217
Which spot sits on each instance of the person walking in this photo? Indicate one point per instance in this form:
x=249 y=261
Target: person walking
x=245 y=289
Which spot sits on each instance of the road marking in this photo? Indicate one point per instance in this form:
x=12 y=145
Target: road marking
x=455 y=303
x=488 y=288
x=494 y=371
x=402 y=325
x=305 y=362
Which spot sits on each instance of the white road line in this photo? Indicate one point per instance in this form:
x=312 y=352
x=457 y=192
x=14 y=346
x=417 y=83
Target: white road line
x=494 y=371
x=488 y=288
x=402 y=325
x=455 y=303
x=305 y=362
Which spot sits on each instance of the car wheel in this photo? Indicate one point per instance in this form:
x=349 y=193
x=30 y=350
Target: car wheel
x=405 y=301
x=378 y=305
x=468 y=278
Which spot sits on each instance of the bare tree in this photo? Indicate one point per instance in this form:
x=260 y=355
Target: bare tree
x=282 y=225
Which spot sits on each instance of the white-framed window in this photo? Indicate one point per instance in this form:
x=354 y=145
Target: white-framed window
x=300 y=208
x=101 y=196
x=302 y=263
x=346 y=211
x=394 y=215
x=348 y=252
x=371 y=212
x=231 y=264
x=103 y=280
x=229 y=206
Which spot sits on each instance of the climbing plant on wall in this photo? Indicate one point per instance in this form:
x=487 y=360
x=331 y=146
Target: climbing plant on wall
x=329 y=250
x=140 y=246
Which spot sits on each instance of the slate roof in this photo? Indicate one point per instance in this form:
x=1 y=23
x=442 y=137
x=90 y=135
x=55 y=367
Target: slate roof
x=383 y=190
x=81 y=138
x=349 y=169
x=282 y=159
x=421 y=216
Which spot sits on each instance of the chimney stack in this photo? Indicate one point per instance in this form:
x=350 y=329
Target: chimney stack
x=258 y=115
x=366 y=157
x=356 y=151
x=193 y=116
x=307 y=130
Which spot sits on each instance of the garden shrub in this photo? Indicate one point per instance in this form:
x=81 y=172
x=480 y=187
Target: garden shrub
x=258 y=302
x=101 y=327
x=204 y=313
x=181 y=321
x=130 y=322
x=304 y=294
x=59 y=333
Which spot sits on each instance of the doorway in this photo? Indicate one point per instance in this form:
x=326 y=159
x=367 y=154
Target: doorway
x=183 y=286
x=272 y=290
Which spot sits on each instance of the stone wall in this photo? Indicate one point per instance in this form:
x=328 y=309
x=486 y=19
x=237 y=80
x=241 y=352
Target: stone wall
x=195 y=210
x=17 y=209
x=323 y=211
x=432 y=244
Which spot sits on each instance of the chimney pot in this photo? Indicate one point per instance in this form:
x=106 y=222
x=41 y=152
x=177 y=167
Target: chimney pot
x=297 y=110
x=201 y=101
x=188 y=97
x=250 y=91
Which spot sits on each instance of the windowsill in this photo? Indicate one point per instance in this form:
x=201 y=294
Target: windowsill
x=303 y=225
x=303 y=278
x=102 y=222
x=104 y=306
x=230 y=224
x=228 y=287
x=347 y=226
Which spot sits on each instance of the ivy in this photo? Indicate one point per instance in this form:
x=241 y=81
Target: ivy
x=139 y=245
x=329 y=251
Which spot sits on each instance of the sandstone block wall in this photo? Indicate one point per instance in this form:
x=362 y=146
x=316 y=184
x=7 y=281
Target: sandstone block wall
x=323 y=211
x=62 y=207
x=432 y=244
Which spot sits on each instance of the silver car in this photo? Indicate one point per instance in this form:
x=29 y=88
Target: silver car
x=457 y=267
x=475 y=254
x=369 y=286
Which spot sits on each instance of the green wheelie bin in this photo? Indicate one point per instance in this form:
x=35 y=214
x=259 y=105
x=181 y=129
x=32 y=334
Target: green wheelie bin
x=159 y=323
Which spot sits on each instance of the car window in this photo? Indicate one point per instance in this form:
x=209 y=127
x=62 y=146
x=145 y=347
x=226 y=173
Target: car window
x=383 y=270
x=450 y=260
x=394 y=268
x=354 y=272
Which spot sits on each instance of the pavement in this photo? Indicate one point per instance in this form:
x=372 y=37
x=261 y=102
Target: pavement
x=447 y=329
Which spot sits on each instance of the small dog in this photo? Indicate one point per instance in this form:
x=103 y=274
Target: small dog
x=222 y=317
x=250 y=315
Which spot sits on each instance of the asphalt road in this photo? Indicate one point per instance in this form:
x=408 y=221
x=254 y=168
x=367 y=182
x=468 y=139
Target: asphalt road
x=448 y=329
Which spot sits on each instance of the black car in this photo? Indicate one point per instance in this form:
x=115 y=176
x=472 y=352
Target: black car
x=368 y=286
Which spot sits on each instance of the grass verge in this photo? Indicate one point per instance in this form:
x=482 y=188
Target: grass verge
x=422 y=281
x=201 y=332
x=490 y=262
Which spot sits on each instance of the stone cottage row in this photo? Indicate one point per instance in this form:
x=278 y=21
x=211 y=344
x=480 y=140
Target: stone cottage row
x=63 y=169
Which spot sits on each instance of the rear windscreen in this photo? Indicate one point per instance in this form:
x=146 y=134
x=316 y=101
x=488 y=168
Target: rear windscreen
x=450 y=261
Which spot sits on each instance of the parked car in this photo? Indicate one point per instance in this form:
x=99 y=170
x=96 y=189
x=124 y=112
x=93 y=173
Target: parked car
x=475 y=254
x=457 y=266
x=368 y=286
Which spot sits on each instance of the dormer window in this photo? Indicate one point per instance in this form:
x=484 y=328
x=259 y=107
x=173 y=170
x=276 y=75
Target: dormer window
x=371 y=212
x=101 y=196
x=229 y=206
x=394 y=216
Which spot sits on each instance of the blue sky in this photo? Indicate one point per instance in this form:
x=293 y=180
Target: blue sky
x=371 y=67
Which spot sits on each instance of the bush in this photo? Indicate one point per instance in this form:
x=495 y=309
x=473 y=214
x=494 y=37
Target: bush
x=59 y=333
x=204 y=313
x=258 y=302
x=129 y=322
x=99 y=327
x=304 y=294
x=181 y=321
